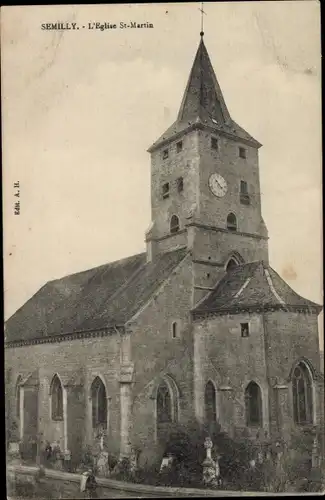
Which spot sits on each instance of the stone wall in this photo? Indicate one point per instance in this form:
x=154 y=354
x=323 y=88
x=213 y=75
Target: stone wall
x=276 y=342
x=230 y=362
x=82 y=358
x=290 y=336
x=233 y=168
x=148 y=343
x=183 y=164
x=157 y=354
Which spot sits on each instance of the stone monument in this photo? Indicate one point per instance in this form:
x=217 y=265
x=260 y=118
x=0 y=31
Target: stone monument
x=211 y=471
x=102 y=464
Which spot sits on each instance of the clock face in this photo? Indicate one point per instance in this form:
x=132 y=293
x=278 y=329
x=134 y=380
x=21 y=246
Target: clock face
x=218 y=185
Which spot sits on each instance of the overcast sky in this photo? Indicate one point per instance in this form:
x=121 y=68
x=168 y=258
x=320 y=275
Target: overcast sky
x=81 y=107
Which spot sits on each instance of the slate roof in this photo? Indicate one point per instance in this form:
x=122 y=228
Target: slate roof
x=252 y=286
x=203 y=104
x=98 y=298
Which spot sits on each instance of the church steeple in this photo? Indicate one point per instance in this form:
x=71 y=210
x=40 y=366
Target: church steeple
x=205 y=188
x=203 y=97
x=203 y=105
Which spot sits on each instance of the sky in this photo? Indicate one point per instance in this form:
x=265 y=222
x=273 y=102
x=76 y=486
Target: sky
x=81 y=107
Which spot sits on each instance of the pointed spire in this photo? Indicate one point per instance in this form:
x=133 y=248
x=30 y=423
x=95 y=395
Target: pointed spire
x=203 y=104
x=203 y=97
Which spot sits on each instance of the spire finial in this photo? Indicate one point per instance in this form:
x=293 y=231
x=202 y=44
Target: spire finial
x=202 y=12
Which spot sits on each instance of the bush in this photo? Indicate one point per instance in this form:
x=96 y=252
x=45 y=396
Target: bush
x=151 y=456
x=316 y=480
x=147 y=475
x=186 y=444
x=28 y=450
x=122 y=470
x=12 y=431
x=298 y=470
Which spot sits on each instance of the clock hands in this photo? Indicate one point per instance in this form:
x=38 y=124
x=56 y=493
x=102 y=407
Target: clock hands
x=218 y=185
x=222 y=187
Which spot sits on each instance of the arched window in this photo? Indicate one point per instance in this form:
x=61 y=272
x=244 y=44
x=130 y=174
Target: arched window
x=253 y=404
x=164 y=404
x=99 y=403
x=231 y=265
x=302 y=395
x=210 y=402
x=174 y=224
x=231 y=222
x=56 y=399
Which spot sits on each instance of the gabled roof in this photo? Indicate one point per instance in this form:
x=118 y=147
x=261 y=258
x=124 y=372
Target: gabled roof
x=203 y=104
x=250 y=287
x=99 y=298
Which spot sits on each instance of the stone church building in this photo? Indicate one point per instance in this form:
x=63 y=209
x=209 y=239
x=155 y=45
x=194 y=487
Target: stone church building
x=198 y=326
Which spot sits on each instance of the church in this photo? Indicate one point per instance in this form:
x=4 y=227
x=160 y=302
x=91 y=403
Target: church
x=199 y=326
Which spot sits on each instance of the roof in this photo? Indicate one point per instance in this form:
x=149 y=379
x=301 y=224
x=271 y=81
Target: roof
x=203 y=104
x=99 y=298
x=253 y=286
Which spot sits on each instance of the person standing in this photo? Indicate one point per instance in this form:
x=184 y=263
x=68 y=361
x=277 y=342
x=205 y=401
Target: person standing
x=89 y=484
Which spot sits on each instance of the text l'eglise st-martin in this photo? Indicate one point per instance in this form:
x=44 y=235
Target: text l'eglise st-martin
x=60 y=26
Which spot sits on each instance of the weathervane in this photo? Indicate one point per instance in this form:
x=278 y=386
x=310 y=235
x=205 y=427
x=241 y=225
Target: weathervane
x=202 y=12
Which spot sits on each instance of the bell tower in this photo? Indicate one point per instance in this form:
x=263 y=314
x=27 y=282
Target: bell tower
x=205 y=187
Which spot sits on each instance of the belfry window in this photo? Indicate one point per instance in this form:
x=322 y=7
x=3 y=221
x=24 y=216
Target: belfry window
x=210 y=403
x=244 y=196
x=243 y=187
x=302 y=395
x=253 y=404
x=165 y=190
x=232 y=222
x=180 y=184
x=57 y=399
x=99 y=403
x=164 y=404
x=174 y=224
x=165 y=154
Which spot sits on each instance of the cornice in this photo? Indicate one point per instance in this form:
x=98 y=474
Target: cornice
x=166 y=236
x=209 y=228
x=64 y=337
x=202 y=126
x=209 y=263
x=176 y=136
x=234 y=137
x=197 y=314
x=223 y=230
